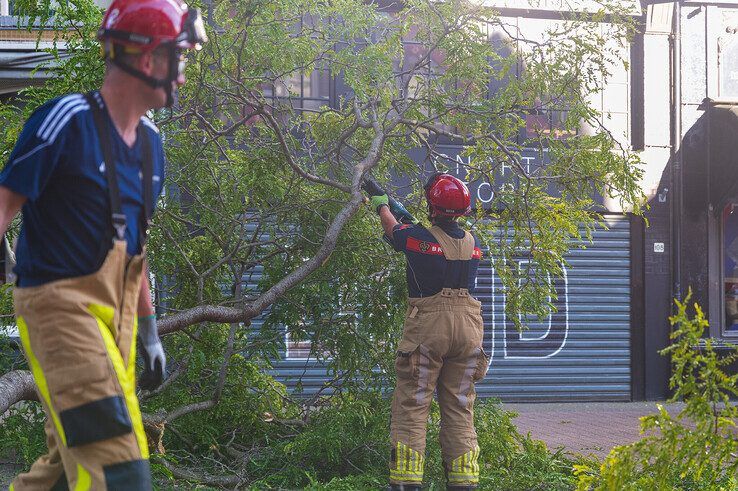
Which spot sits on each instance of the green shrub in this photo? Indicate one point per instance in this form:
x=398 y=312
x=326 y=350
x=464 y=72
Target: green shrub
x=346 y=446
x=22 y=433
x=696 y=450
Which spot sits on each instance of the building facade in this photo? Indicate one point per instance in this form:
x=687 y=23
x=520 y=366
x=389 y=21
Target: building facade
x=584 y=351
x=691 y=242
x=677 y=107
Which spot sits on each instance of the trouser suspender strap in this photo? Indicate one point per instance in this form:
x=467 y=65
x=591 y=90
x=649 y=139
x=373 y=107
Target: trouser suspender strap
x=455 y=250
x=147 y=178
x=118 y=218
x=464 y=276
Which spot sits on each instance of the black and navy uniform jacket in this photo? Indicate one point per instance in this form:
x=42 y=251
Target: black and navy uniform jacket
x=57 y=163
x=427 y=268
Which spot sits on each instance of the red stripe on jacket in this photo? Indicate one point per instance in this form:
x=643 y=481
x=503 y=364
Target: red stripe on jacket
x=424 y=247
x=433 y=248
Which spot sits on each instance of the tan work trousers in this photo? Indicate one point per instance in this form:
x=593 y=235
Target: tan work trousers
x=441 y=350
x=79 y=337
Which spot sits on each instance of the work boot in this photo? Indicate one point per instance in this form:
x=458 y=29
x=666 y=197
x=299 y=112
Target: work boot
x=404 y=487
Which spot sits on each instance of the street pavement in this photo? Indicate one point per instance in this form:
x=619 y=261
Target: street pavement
x=584 y=427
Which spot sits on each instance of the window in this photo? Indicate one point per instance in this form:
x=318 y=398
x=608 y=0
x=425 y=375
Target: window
x=727 y=52
x=308 y=88
x=729 y=262
x=420 y=71
x=302 y=90
x=550 y=123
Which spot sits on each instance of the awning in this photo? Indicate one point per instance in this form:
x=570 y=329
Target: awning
x=722 y=152
x=22 y=67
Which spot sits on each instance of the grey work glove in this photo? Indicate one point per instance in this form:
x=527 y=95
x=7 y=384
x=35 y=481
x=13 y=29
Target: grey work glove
x=155 y=361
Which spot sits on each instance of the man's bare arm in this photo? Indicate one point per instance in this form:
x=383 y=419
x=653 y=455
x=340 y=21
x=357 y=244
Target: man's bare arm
x=388 y=221
x=10 y=204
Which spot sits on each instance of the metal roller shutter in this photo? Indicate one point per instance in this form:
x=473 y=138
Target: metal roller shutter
x=581 y=352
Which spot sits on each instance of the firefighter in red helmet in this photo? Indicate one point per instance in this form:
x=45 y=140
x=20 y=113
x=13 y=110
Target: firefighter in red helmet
x=86 y=172
x=441 y=347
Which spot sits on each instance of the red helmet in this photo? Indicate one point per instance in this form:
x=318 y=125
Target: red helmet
x=447 y=195
x=146 y=24
x=140 y=26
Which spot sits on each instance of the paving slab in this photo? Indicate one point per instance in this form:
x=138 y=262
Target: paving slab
x=588 y=428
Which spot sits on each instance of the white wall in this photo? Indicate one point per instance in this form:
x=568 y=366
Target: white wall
x=657 y=97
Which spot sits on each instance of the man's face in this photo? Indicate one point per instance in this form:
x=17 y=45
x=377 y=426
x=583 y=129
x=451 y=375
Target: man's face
x=160 y=69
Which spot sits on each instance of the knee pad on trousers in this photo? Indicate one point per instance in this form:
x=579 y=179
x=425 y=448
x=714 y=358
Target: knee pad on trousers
x=134 y=474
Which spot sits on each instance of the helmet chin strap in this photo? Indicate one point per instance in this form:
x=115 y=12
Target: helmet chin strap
x=155 y=83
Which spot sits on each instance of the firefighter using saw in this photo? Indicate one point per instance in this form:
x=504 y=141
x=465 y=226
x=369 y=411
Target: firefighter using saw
x=441 y=347
x=86 y=171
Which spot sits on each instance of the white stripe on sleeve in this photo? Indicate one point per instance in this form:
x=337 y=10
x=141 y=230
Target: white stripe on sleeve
x=65 y=120
x=61 y=118
x=62 y=103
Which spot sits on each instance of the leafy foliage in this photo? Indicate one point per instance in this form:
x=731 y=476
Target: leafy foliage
x=345 y=446
x=695 y=449
x=22 y=433
x=262 y=220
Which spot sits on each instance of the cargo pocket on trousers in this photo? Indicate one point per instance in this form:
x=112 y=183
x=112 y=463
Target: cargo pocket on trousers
x=406 y=362
x=482 y=365
x=89 y=406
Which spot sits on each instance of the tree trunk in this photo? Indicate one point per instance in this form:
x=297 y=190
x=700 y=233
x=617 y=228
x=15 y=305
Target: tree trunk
x=16 y=386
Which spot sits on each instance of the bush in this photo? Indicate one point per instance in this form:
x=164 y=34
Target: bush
x=696 y=450
x=346 y=446
x=22 y=433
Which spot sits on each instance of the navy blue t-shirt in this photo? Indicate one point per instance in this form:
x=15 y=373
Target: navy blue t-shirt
x=427 y=267
x=57 y=164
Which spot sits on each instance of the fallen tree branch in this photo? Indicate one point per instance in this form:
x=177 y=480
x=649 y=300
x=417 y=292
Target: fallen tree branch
x=206 y=479
x=230 y=315
x=16 y=386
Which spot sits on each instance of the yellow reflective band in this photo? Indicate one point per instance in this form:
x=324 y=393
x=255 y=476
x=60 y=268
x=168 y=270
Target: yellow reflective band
x=396 y=476
x=409 y=464
x=105 y=316
x=84 y=480
x=38 y=376
x=10 y=488
x=465 y=468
